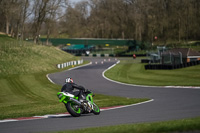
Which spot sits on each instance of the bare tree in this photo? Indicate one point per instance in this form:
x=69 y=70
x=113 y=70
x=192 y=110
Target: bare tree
x=53 y=14
x=139 y=19
x=40 y=11
x=26 y=12
x=7 y=7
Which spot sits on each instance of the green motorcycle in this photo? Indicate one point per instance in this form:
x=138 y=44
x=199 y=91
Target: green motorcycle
x=75 y=107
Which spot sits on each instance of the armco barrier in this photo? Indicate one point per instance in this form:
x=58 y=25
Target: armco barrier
x=145 y=60
x=70 y=63
x=170 y=67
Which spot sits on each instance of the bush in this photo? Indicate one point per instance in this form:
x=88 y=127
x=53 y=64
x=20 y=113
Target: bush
x=102 y=55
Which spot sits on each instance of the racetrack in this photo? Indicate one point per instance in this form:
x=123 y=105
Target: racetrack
x=168 y=104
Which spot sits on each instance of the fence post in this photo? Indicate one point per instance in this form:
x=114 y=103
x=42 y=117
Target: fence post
x=58 y=66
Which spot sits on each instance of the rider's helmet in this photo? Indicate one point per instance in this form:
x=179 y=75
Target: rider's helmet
x=69 y=80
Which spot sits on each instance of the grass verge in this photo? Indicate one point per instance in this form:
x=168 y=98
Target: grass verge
x=184 y=125
x=133 y=72
x=25 y=90
x=32 y=94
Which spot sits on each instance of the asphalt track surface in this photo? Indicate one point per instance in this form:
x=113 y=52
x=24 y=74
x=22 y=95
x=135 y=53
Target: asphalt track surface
x=168 y=104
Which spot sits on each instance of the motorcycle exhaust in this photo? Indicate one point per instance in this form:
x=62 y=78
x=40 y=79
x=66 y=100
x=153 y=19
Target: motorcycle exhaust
x=74 y=100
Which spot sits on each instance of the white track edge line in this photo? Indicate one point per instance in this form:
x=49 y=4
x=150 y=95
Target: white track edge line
x=62 y=115
x=48 y=116
x=11 y=120
x=49 y=79
x=103 y=74
x=69 y=70
x=151 y=100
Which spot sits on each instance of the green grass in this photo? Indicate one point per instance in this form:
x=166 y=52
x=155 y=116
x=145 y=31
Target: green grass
x=32 y=94
x=133 y=72
x=18 y=57
x=5 y=38
x=183 y=125
x=25 y=90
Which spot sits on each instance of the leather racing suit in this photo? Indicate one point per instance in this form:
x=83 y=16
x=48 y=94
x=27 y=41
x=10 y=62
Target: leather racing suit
x=69 y=87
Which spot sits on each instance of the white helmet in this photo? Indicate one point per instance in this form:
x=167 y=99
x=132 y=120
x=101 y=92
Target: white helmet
x=69 y=80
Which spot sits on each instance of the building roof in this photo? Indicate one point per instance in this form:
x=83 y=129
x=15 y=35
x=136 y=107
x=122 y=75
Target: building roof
x=186 y=52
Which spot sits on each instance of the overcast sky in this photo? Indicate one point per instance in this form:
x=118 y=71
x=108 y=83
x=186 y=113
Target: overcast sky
x=74 y=1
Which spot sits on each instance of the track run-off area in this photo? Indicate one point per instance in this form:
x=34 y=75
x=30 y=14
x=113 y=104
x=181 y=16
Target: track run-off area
x=167 y=102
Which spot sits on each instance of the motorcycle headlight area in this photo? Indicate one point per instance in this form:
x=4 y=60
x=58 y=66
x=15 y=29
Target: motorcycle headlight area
x=60 y=95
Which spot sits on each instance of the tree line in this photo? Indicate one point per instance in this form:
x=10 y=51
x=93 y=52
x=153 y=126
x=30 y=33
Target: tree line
x=27 y=18
x=126 y=19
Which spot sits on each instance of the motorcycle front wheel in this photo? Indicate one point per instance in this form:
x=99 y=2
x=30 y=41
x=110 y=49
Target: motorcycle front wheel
x=73 y=109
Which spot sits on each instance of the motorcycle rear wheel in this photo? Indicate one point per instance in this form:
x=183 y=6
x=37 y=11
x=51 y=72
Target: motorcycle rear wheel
x=73 y=109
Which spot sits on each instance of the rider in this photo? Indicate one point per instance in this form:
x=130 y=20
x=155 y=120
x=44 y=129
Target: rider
x=69 y=87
